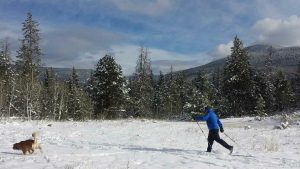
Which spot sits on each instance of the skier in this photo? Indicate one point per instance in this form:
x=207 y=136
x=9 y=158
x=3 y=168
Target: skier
x=213 y=124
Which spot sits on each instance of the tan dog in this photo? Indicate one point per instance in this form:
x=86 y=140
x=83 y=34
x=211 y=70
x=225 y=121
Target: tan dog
x=28 y=146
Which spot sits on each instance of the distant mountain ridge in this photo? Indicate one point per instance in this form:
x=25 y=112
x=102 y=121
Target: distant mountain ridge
x=64 y=73
x=283 y=58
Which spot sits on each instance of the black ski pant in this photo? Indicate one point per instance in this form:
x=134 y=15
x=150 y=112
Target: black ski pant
x=213 y=135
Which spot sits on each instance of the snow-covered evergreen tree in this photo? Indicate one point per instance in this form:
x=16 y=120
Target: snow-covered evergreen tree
x=237 y=83
x=108 y=88
x=90 y=85
x=217 y=79
x=7 y=80
x=170 y=93
x=260 y=108
x=175 y=94
x=217 y=99
x=182 y=97
x=29 y=54
x=268 y=91
x=202 y=92
x=261 y=89
x=62 y=101
x=28 y=62
x=284 y=96
x=297 y=86
x=141 y=88
x=50 y=93
x=78 y=104
x=158 y=96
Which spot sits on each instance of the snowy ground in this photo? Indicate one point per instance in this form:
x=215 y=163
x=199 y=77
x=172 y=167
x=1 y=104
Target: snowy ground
x=149 y=144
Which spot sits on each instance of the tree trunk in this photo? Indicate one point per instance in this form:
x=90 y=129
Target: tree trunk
x=60 y=106
x=11 y=99
x=27 y=101
x=1 y=98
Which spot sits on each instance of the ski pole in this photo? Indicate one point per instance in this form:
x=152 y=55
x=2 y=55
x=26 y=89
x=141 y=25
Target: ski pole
x=201 y=129
x=231 y=139
x=237 y=144
x=203 y=133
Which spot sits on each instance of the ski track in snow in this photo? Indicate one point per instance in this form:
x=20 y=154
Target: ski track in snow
x=148 y=144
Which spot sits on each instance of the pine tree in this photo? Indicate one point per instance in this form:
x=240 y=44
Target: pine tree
x=28 y=62
x=30 y=52
x=175 y=94
x=217 y=99
x=260 y=87
x=142 y=89
x=73 y=103
x=73 y=79
x=202 y=92
x=78 y=104
x=90 y=86
x=260 y=108
x=5 y=60
x=7 y=80
x=170 y=93
x=62 y=101
x=158 y=96
x=297 y=86
x=109 y=88
x=268 y=91
x=183 y=88
x=284 y=96
x=237 y=83
x=49 y=95
x=217 y=79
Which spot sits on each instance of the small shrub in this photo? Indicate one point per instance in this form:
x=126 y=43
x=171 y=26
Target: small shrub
x=271 y=145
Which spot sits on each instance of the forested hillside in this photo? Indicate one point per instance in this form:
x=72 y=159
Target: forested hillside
x=282 y=58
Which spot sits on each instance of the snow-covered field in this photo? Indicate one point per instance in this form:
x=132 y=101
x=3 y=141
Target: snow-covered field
x=149 y=144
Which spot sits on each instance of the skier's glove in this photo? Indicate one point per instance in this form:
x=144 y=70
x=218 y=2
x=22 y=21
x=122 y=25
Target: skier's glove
x=194 y=116
x=222 y=130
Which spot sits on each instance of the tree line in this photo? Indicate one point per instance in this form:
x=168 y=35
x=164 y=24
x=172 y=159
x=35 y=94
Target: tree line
x=235 y=90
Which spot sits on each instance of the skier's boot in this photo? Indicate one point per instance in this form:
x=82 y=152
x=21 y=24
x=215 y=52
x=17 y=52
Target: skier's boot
x=231 y=149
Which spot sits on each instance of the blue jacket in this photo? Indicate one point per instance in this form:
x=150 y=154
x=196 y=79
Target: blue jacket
x=211 y=119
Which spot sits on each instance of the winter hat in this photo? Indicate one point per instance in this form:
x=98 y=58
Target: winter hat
x=207 y=108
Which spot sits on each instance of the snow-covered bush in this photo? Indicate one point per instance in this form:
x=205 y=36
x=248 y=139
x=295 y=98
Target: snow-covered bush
x=247 y=127
x=265 y=143
x=259 y=118
x=271 y=144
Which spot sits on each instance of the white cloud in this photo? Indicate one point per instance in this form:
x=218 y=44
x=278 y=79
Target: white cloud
x=72 y=45
x=275 y=8
x=222 y=50
x=284 y=32
x=161 y=59
x=82 y=47
x=10 y=32
x=126 y=55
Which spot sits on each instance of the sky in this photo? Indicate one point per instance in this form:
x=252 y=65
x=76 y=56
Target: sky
x=181 y=33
